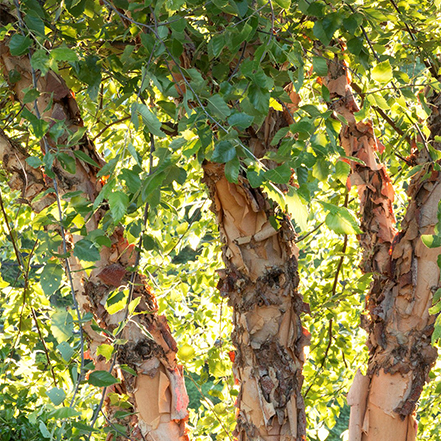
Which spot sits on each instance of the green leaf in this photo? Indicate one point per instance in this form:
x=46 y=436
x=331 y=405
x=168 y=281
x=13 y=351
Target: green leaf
x=150 y=120
x=435 y=309
x=14 y=76
x=340 y=220
x=64 y=412
x=382 y=72
x=232 y=168
x=132 y=179
x=102 y=379
x=133 y=304
x=87 y=251
x=19 y=45
x=128 y=369
x=30 y=95
x=255 y=178
x=223 y=152
x=279 y=175
x=352 y=23
x=41 y=61
x=62 y=325
x=355 y=45
x=320 y=66
x=297 y=207
x=35 y=24
x=218 y=107
x=67 y=162
x=34 y=162
x=320 y=170
x=240 y=120
x=65 y=350
x=105 y=350
x=64 y=54
x=436 y=296
x=285 y=4
x=44 y=431
x=84 y=157
x=437 y=329
x=56 y=395
x=216 y=44
x=152 y=183
x=51 y=277
x=342 y=170
x=108 y=169
x=186 y=352
x=118 y=202
x=116 y=302
x=279 y=135
x=39 y=126
x=275 y=194
x=431 y=241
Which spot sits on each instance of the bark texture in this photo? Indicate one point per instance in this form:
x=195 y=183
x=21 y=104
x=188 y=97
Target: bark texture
x=405 y=275
x=261 y=282
x=158 y=394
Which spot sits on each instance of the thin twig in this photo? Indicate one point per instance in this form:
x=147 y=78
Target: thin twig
x=310 y=232
x=110 y=125
x=34 y=315
x=365 y=35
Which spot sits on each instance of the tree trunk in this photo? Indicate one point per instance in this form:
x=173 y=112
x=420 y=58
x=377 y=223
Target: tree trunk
x=399 y=324
x=157 y=393
x=261 y=282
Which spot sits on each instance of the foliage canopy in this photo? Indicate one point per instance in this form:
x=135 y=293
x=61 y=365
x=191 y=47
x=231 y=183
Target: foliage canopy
x=163 y=86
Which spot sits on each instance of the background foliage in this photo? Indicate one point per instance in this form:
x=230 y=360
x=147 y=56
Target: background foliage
x=233 y=60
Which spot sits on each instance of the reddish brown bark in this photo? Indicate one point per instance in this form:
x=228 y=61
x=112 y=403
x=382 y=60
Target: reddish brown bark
x=157 y=393
x=399 y=325
x=261 y=282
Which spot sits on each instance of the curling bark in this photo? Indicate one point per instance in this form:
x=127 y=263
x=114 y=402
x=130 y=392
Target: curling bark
x=157 y=393
x=405 y=274
x=261 y=281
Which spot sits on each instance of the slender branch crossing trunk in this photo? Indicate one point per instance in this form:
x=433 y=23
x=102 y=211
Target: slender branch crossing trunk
x=157 y=393
x=399 y=325
x=261 y=282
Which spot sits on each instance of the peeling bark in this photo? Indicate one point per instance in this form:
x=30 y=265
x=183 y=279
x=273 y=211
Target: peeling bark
x=158 y=392
x=399 y=324
x=261 y=282
x=373 y=184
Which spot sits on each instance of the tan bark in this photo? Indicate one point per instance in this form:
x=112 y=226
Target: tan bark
x=399 y=325
x=158 y=394
x=261 y=282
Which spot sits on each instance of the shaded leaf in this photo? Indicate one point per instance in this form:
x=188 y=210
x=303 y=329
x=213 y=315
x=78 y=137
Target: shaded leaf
x=102 y=379
x=86 y=250
x=218 y=106
x=150 y=120
x=19 y=44
x=279 y=175
x=223 y=152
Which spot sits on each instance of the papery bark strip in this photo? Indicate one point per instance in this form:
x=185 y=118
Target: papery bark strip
x=260 y=281
x=405 y=274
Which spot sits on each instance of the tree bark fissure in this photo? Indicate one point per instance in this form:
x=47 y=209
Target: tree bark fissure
x=261 y=282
